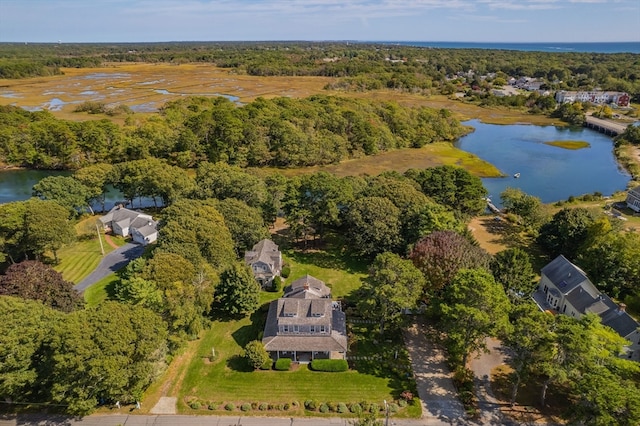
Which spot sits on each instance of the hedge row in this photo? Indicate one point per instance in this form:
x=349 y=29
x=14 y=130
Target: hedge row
x=283 y=364
x=355 y=408
x=331 y=365
x=197 y=404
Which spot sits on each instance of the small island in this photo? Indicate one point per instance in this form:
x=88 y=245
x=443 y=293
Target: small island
x=569 y=144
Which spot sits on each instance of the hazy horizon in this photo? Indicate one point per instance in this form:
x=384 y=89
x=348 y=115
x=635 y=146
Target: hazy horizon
x=462 y=21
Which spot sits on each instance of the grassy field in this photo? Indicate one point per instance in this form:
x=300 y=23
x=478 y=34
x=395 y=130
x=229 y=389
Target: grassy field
x=432 y=155
x=100 y=291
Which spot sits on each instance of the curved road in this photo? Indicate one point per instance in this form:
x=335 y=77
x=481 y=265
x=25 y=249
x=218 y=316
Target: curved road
x=117 y=259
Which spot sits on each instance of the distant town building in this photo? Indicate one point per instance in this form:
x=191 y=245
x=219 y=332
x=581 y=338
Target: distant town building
x=620 y=99
x=633 y=199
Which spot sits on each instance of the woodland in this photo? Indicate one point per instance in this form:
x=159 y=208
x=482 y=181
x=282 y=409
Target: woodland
x=408 y=229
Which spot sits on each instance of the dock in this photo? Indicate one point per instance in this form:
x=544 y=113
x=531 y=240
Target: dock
x=605 y=126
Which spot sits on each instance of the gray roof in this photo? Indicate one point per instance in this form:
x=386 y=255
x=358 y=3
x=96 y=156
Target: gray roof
x=334 y=341
x=618 y=319
x=307 y=287
x=265 y=251
x=126 y=218
x=635 y=191
x=564 y=274
x=580 y=299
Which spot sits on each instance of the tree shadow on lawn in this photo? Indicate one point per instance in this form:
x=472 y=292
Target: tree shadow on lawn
x=382 y=356
x=246 y=334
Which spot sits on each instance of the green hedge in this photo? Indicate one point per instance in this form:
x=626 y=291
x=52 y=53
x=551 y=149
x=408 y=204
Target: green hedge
x=331 y=365
x=283 y=364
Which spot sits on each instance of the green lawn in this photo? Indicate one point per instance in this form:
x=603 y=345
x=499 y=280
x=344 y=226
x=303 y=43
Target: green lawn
x=100 y=291
x=77 y=260
x=228 y=379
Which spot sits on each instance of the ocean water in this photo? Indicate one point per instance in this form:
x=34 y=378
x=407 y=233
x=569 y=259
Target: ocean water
x=617 y=47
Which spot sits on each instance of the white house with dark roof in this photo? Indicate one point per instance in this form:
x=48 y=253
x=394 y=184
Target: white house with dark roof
x=565 y=289
x=306 y=324
x=139 y=226
x=633 y=199
x=265 y=261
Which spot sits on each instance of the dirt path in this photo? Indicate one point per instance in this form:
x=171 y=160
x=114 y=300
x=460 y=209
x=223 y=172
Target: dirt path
x=109 y=241
x=435 y=387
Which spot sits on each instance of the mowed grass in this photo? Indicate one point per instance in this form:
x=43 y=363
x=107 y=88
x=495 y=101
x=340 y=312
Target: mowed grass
x=227 y=378
x=100 y=291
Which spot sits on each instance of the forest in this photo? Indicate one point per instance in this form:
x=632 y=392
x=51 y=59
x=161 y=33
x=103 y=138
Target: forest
x=360 y=66
x=204 y=161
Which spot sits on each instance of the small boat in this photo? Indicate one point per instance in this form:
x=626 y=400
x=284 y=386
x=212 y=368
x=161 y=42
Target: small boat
x=517 y=175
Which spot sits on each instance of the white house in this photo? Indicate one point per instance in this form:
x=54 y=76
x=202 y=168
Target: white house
x=139 y=226
x=633 y=199
x=565 y=289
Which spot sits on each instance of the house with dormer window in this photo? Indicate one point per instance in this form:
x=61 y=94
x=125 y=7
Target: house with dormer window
x=565 y=289
x=305 y=323
x=265 y=260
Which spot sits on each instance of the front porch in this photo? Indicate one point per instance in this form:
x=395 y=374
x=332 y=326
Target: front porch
x=303 y=357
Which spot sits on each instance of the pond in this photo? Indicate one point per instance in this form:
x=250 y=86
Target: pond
x=552 y=173
x=16 y=185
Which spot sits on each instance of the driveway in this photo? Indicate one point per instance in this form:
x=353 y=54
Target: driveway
x=117 y=259
x=435 y=387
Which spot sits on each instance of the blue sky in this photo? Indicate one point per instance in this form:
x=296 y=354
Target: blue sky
x=391 y=20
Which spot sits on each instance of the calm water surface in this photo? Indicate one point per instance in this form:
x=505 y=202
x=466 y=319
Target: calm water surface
x=548 y=172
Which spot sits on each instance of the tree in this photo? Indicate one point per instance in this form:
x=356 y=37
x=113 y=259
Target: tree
x=394 y=284
x=567 y=232
x=452 y=186
x=244 y=222
x=196 y=230
x=112 y=352
x=373 y=226
x=256 y=354
x=530 y=340
x=36 y=281
x=473 y=307
x=96 y=178
x=66 y=191
x=238 y=293
x=24 y=326
x=46 y=227
x=512 y=268
x=441 y=254
x=221 y=181
x=527 y=207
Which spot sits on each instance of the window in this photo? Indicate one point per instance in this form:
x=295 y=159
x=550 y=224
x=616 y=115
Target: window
x=323 y=329
x=296 y=328
x=312 y=328
x=285 y=328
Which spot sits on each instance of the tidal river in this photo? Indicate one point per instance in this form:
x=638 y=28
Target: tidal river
x=548 y=172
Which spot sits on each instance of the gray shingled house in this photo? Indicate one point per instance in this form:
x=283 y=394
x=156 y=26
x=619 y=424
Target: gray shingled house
x=140 y=226
x=633 y=199
x=565 y=289
x=305 y=323
x=265 y=261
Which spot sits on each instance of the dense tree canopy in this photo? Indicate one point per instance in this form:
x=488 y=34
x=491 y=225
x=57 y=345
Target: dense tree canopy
x=238 y=292
x=373 y=226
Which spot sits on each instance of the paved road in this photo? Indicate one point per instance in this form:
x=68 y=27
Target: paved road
x=435 y=388
x=113 y=261
x=178 y=420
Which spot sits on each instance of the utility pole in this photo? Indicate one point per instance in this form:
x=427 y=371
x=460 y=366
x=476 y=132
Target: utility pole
x=100 y=239
x=386 y=409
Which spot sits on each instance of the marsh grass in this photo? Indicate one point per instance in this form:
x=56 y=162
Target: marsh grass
x=573 y=145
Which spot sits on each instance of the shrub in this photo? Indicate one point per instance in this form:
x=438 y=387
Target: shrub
x=374 y=408
x=212 y=406
x=286 y=406
x=256 y=355
x=254 y=405
x=324 y=408
x=263 y=406
x=267 y=365
x=406 y=395
x=310 y=405
x=286 y=270
x=283 y=364
x=229 y=406
x=402 y=403
x=245 y=407
x=393 y=407
x=276 y=285
x=332 y=406
x=342 y=408
x=196 y=405
x=330 y=365
x=356 y=408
